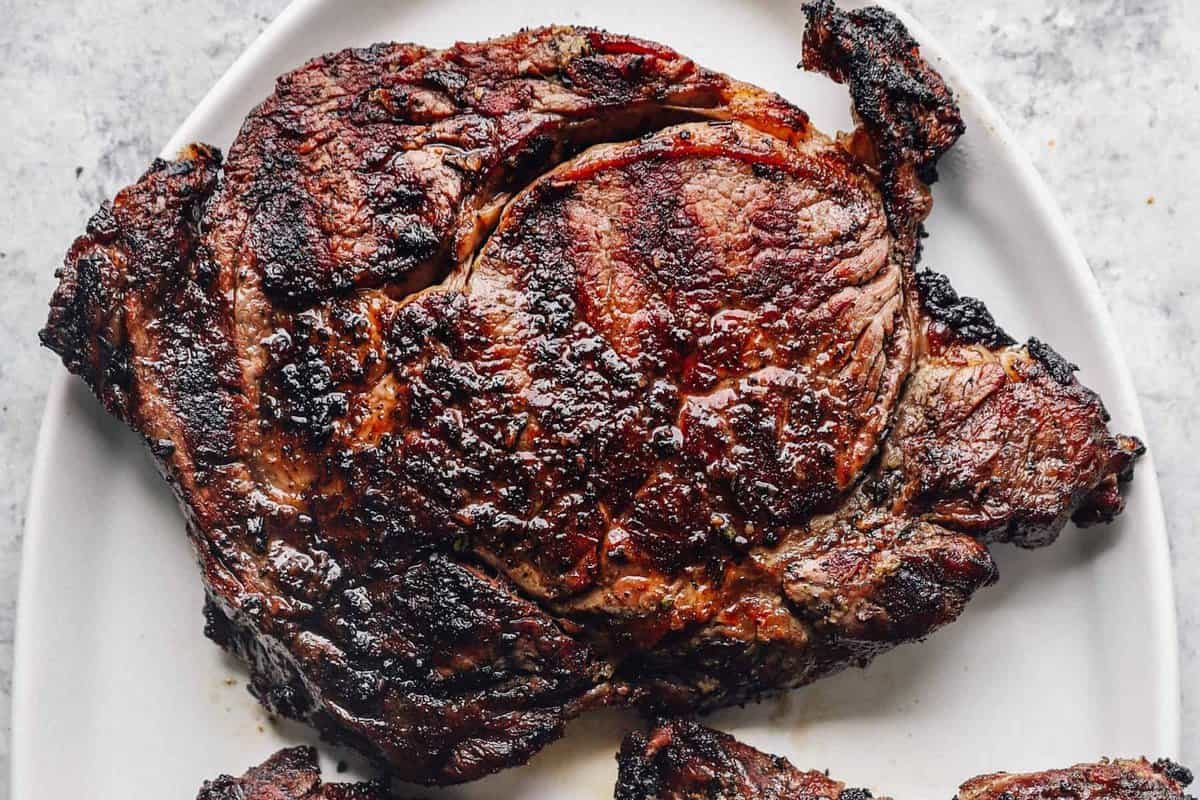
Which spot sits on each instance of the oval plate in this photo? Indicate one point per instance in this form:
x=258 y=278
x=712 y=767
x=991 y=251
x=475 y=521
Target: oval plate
x=1071 y=656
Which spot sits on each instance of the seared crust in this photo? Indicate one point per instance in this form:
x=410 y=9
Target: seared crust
x=907 y=112
x=470 y=675
x=291 y=774
x=1119 y=779
x=470 y=442
x=682 y=760
x=147 y=240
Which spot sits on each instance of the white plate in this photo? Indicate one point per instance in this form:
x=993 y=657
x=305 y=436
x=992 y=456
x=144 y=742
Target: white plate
x=1071 y=656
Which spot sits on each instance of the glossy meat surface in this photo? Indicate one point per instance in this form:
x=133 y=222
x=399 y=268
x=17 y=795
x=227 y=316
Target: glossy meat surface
x=555 y=371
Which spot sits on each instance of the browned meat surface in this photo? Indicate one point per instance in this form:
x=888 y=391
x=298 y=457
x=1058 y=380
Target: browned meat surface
x=515 y=379
x=291 y=774
x=681 y=760
x=1119 y=779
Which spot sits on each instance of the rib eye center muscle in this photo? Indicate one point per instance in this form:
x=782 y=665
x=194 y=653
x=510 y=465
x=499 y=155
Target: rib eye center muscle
x=669 y=352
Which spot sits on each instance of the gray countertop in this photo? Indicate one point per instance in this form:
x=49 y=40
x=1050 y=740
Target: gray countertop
x=1103 y=94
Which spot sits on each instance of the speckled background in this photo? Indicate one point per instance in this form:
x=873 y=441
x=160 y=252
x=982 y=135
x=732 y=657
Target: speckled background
x=1103 y=94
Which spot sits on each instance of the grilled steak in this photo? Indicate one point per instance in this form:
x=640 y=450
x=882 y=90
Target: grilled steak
x=291 y=774
x=506 y=381
x=682 y=760
x=1120 y=779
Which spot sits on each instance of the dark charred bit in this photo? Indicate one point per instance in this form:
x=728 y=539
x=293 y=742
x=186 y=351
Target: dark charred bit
x=1057 y=367
x=290 y=774
x=1176 y=772
x=903 y=103
x=217 y=627
x=856 y=794
x=967 y=317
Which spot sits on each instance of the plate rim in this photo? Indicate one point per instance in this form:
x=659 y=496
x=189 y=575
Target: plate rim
x=243 y=70
x=1161 y=571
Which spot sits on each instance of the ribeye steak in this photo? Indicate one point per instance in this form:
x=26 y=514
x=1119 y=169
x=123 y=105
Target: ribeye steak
x=554 y=371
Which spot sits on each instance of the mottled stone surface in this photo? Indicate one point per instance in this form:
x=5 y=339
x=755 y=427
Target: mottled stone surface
x=89 y=91
x=1104 y=94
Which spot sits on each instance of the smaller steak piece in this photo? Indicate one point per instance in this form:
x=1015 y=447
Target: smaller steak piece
x=683 y=760
x=1119 y=779
x=290 y=774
